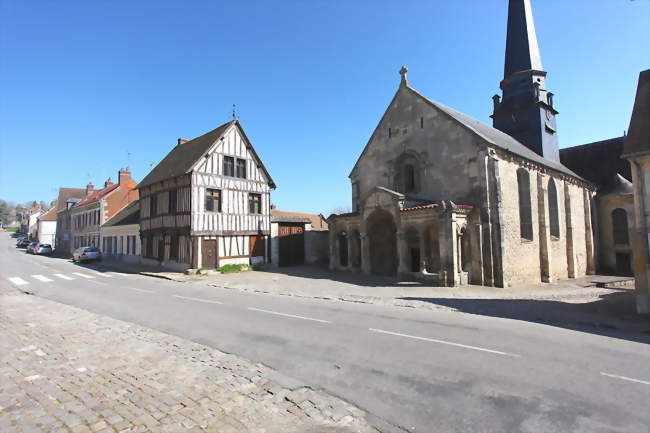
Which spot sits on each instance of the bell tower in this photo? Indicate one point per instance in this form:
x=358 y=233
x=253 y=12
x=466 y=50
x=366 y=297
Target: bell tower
x=526 y=110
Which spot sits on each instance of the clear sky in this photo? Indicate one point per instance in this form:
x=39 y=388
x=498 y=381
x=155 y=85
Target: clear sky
x=87 y=87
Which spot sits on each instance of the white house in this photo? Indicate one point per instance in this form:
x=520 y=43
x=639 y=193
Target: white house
x=46 y=226
x=120 y=235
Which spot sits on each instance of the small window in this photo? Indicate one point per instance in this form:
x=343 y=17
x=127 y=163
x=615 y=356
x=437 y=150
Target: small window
x=619 y=227
x=241 y=168
x=254 y=203
x=172 y=202
x=228 y=166
x=213 y=200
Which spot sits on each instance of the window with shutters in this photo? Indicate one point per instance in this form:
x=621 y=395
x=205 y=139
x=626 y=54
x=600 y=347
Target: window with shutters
x=525 y=212
x=254 y=203
x=228 y=166
x=553 y=210
x=212 y=200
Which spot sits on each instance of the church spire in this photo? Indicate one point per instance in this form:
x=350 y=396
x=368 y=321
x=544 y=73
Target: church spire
x=526 y=110
x=522 y=51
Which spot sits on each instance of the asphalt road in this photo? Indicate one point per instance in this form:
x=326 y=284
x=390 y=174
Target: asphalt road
x=411 y=370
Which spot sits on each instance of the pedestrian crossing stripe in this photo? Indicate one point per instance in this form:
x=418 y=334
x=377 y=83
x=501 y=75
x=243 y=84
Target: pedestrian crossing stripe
x=64 y=277
x=18 y=281
x=79 y=274
x=102 y=274
x=41 y=278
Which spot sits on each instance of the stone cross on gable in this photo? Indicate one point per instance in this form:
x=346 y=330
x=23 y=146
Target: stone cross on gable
x=403 y=72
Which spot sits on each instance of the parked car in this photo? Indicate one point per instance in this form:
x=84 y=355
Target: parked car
x=30 y=247
x=17 y=235
x=86 y=254
x=22 y=243
x=43 y=249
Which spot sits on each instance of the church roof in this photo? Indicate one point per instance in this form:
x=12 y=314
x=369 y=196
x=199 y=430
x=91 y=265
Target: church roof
x=638 y=135
x=181 y=158
x=597 y=162
x=495 y=137
x=617 y=185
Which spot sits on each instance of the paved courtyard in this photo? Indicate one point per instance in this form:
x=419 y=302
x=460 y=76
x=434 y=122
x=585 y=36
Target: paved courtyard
x=63 y=369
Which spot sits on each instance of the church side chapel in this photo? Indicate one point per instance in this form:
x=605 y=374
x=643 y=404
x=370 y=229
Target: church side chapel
x=439 y=196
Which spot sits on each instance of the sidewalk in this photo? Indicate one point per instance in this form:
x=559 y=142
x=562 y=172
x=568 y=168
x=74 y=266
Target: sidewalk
x=63 y=369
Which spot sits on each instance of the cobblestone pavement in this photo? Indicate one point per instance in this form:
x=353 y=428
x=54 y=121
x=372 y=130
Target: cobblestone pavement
x=63 y=369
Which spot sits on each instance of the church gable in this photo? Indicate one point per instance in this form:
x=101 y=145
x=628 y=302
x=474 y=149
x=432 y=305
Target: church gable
x=419 y=150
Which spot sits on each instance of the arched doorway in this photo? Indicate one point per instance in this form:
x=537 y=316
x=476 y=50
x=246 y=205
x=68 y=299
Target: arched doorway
x=382 y=242
x=355 y=248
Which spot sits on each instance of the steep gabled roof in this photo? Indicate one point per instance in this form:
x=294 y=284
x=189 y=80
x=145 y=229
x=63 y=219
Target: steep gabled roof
x=66 y=194
x=182 y=158
x=129 y=214
x=491 y=135
x=597 y=162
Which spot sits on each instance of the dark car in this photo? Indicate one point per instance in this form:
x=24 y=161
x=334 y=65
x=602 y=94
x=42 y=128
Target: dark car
x=17 y=235
x=23 y=243
x=30 y=247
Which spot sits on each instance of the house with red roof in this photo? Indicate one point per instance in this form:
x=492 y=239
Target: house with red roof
x=88 y=215
x=46 y=226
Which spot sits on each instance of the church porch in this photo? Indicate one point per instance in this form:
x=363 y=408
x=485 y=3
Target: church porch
x=428 y=243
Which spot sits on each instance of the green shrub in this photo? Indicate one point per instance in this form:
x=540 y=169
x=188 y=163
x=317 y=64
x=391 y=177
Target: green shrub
x=228 y=269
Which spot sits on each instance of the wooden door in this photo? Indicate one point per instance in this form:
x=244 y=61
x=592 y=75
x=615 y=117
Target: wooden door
x=257 y=246
x=209 y=253
x=292 y=244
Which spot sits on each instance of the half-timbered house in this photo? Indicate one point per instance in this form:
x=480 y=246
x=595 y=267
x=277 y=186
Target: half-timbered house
x=207 y=203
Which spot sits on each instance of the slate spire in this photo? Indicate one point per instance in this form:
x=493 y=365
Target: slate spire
x=522 y=51
x=526 y=110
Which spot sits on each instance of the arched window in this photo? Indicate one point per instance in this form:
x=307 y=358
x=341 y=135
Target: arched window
x=406 y=176
x=619 y=227
x=525 y=213
x=553 y=211
x=343 y=249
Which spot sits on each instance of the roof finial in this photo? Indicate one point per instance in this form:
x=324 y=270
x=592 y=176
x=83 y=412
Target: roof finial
x=403 y=72
x=234 y=112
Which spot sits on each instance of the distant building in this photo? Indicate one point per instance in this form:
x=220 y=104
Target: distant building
x=298 y=238
x=47 y=226
x=637 y=151
x=29 y=220
x=121 y=235
x=88 y=215
x=207 y=203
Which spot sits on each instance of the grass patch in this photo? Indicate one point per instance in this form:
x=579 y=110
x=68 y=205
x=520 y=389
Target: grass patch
x=229 y=269
x=11 y=229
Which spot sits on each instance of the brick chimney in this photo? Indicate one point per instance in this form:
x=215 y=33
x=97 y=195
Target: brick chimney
x=89 y=188
x=182 y=141
x=124 y=175
x=108 y=182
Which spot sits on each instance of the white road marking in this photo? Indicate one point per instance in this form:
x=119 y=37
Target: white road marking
x=288 y=315
x=139 y=290
x=41 y=278
x=64 y=277
x=102 y=274
x=18 y=281
x=449 y=343
x=79 y=274
x=645 y=382
x=119 y=274
x=209 y=301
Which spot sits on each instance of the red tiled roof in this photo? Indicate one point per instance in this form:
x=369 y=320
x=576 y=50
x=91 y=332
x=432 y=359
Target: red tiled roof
x=433 y=206
x=316 y=221
x=97 y=195
x=50 y=215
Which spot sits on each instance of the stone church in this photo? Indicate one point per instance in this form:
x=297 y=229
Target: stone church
x=439 y=196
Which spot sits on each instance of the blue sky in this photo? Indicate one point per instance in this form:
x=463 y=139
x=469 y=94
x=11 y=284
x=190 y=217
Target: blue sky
x=87 y=87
